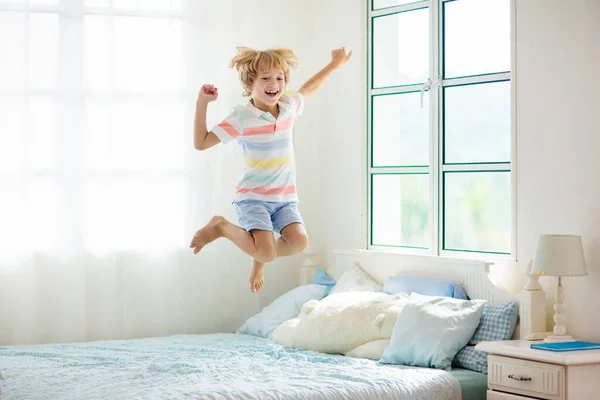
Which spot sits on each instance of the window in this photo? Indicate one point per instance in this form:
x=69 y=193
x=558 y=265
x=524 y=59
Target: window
x=441 y=126
x=94 y=123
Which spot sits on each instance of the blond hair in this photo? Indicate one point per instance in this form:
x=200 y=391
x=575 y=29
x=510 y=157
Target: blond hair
x=249 y=63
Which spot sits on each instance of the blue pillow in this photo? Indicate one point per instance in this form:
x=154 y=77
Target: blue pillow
x=320 y=277
x=283 y=308
x=430 y=330
x=425 y=286
x=498 y=322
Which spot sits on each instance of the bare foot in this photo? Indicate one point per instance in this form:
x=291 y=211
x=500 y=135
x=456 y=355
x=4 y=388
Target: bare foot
x=209 y=233
x=257 y=276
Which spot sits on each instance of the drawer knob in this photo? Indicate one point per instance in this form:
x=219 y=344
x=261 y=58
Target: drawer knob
x=519 y=378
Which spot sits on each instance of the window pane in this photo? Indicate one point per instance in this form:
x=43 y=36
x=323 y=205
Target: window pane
x=96 y=53
x=148 y=54
x=32 y=2
x=400 y=210
x=43 y=50
x=128 y=214
x=377 y=4
x=30 y=215
x=98 y=135
x=401 y=48
x=135 y=135
x=144 y=53
x=477 y=37
x=13 y=50
x=12 y=134
x=42 y=210
x=477 y=123
x=43 y=137
x=44 y=2
x=97 y=3
x=146 y=5
x=400 y=130
x=477 y=211
x=149 y=5
x=12 y=215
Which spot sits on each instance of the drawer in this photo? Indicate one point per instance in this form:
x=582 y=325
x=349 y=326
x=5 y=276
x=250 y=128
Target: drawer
x=491 y=395
x=529 y=378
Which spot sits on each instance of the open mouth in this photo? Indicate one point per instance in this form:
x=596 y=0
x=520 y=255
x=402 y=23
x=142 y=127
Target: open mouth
x=271 y=93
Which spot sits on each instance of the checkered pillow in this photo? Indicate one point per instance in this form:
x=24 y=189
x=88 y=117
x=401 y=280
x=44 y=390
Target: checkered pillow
x=472 y=359
x=497 y=322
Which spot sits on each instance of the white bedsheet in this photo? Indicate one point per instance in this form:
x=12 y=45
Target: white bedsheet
x=220 y=366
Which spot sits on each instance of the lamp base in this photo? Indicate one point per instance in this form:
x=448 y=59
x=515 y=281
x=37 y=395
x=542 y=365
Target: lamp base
x=559 y=338
x=560 y=321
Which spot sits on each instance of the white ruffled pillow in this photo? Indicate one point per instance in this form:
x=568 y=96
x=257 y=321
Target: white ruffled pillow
x=354 y=279
x=341 y=322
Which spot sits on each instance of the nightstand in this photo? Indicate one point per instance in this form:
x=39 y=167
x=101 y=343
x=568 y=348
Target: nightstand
x=515 y=371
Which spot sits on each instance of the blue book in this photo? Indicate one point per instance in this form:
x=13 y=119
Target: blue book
x=566 y=346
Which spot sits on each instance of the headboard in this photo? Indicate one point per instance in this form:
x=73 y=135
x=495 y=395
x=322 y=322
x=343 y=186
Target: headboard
x=472 y=275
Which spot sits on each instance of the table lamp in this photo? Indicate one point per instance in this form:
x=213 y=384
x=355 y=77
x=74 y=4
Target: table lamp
x=559 y=255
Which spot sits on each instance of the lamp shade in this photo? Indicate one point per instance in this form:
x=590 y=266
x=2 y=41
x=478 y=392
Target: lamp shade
x=559 y=255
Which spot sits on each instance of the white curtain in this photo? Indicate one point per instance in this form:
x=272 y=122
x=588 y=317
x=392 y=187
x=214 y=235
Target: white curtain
x=100 y=187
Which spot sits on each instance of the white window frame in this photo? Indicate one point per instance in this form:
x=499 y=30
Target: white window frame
x=436 y=168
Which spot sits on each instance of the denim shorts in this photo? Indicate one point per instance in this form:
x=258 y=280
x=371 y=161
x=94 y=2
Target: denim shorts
x=266 y=215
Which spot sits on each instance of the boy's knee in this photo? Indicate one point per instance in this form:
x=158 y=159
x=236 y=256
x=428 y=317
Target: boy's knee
x=301 y=242
x=298 y=243
x=266 y=253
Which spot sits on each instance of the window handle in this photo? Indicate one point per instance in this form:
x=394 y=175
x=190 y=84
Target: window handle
x=425 y=87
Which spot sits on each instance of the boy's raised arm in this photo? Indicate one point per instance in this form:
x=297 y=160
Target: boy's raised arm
x=338 y=58
x=203 y=138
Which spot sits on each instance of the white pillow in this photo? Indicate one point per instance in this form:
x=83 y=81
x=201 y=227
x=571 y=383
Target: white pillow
x=431 y=330
x=285 y=307
x=342 y=322
x=372 y=350
x=354 y=279
x=337 y=270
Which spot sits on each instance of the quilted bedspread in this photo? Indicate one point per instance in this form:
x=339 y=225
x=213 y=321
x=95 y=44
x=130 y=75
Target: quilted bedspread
x=216 y=366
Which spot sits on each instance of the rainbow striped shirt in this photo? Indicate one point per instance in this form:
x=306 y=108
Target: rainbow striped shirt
x=270 y=171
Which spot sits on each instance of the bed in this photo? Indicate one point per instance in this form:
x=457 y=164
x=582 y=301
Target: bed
x=239 y=366
x=218 y=366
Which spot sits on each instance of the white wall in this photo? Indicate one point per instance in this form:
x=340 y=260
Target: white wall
x=558 y=114
x=339 y=215
x=558 y=137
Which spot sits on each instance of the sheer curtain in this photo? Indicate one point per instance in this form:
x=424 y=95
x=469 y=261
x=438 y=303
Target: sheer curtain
x=100 y=188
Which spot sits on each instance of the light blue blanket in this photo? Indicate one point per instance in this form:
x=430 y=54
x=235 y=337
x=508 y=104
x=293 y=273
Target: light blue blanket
x=220 y=366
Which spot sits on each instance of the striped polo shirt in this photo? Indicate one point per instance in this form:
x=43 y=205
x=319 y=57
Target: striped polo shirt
x=270 y=171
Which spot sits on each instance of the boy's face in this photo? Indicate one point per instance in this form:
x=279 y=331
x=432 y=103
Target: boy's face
x=268 y=87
